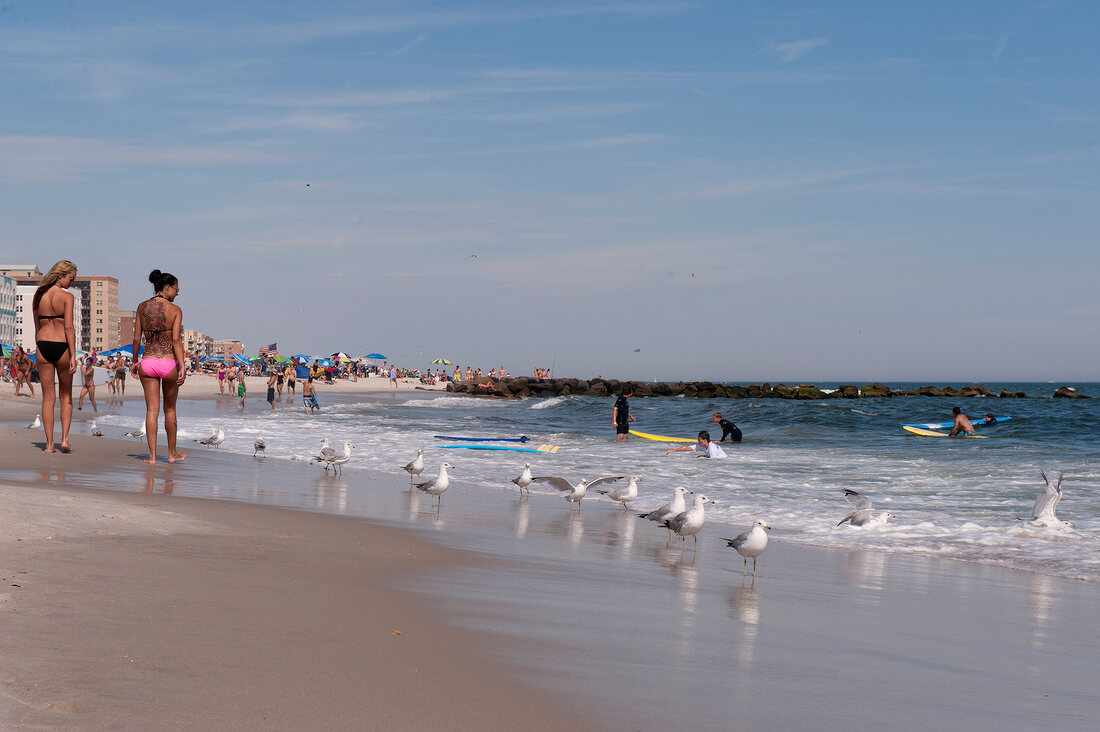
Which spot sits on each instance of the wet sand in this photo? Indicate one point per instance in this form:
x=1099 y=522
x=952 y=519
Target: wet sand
x=594 y=614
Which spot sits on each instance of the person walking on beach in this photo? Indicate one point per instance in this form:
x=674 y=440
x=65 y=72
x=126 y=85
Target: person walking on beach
x=120 y=373
x=160 y=321
x=88 y=372
x=221 y=380
x=21 y=369
x=309 y=396
x=702 y=445
x=621 y=416
x=962 y=424
x=55 y=338
x=279 y=378
x=728 y=428
x=291 y=377
x=271 y=378
x=393 y=376
x=242 y=390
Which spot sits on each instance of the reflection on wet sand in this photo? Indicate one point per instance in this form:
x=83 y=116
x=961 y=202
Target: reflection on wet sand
x=866 y=571
x=168 y=483
x=1043 y=603
x=522 y=516
x=745 y=606
x=617 y=531
x=52 y=475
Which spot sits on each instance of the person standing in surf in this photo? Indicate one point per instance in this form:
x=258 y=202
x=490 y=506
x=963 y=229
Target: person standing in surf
x=621 y=416
x=160 y=321
x=962 y=424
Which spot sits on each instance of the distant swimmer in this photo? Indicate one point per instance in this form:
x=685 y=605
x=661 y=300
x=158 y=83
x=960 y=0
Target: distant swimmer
x=702 y=445
x=989 y=419
x=621 y=416
x=962 y=424
x=728 y=428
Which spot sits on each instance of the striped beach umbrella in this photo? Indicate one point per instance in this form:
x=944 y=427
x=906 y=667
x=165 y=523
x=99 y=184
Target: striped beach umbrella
x=442 y=362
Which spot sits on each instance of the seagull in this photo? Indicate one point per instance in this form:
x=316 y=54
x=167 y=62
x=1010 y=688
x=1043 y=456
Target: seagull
x=138 y=433
x=689 y=522
x=1042 y=513
x=95 y=431
x=624 y=495
x=751 y=543
x=416 y=467
x=576 y=492
x=259 y=445
x=216 y=438
x=669 y=510
x=36 y=423
x=438 y=484
x=862 y=514
x=324 y=454
x=524 y=479
x=339 y=458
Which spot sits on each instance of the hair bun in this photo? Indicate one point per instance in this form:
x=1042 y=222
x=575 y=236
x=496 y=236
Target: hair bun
x=154 y=276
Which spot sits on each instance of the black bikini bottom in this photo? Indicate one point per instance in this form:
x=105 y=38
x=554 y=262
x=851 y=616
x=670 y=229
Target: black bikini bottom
x=52 y=351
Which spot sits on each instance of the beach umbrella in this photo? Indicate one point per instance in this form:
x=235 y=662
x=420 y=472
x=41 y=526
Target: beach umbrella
x=242 y=358
x=5 y=350
x=302 y=358
x=442 y=362
x=325 y=361
x=339 y=355
x=376 y=357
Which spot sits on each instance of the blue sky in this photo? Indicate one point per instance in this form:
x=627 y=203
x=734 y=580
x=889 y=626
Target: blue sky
x=742 y=191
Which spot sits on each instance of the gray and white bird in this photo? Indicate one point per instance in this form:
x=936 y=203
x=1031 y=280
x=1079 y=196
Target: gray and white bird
x=416 y=467
x=1042 y=513
x=95 y=431
x=524 y=479
x=862 y=513
x=669 y=510
x=324 y=453
x=139 y=433
x=751 y=543
x=574 y=493
x=691 y=521
x=624 y=495
x=260 y=445
x=337 y=460
x=36 y=423
x=435 y=486
x=216 y=438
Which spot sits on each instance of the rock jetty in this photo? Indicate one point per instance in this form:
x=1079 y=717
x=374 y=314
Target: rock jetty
x=524 y=387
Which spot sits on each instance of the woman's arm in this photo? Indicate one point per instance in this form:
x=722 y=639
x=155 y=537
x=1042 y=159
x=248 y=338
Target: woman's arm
x=70 y=331
x=139 y=326
x=177 y=345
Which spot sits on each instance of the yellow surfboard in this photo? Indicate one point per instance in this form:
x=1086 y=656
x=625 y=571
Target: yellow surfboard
x=659 y=438
x=920 y=431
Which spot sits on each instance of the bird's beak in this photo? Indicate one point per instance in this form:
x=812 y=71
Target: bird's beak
x=710 y=500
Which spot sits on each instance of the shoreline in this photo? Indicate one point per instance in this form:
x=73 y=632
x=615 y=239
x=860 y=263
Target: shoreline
x=594 y=611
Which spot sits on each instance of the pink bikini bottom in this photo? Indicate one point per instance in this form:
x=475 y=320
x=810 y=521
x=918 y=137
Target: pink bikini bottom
x=157 y=368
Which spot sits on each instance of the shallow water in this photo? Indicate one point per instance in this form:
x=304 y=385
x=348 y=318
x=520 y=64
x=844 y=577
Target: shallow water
x=957 y=499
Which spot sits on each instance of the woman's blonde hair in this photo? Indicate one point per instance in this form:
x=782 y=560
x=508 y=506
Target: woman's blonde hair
x=60 y=269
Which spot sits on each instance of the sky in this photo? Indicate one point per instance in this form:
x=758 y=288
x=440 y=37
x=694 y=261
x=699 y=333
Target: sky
x=735 y=191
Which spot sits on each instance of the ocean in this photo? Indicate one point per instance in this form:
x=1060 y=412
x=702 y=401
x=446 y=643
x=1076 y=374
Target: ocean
x=955 y=499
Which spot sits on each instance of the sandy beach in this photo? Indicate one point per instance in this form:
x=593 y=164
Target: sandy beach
x=153 y=604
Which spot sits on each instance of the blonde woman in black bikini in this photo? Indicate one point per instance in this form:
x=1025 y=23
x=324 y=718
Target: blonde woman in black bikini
x=55 y=338
x=160 y=369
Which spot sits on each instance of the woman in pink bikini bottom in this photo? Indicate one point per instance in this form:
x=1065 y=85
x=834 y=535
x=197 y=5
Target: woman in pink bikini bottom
x=159 y=322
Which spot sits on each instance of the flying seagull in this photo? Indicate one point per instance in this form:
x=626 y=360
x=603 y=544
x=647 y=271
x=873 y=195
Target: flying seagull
x=862 y=514
x=574 y=493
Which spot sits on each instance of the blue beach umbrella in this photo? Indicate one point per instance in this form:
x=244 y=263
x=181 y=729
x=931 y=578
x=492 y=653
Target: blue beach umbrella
x=302 y=358
x=376 y=357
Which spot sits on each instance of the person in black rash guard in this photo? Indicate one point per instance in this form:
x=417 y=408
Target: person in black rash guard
x=621 y=416
x=728 y=428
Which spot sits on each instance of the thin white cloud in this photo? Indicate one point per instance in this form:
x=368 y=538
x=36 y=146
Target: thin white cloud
x=794 y=50
x=51 y=158
x=634 y=138
x=308 y=121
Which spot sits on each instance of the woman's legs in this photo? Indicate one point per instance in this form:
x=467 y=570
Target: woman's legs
x=45 y=379
x=65 y=395
x=171 y=391
x=151 y=387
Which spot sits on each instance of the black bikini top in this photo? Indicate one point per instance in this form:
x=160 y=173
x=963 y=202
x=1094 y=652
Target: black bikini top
x=51 y=317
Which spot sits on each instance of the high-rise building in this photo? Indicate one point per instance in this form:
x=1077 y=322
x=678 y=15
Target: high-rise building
x=125 y=327
x=101 y=315
x=225 y=349
x=7 y=310
x=196 y=344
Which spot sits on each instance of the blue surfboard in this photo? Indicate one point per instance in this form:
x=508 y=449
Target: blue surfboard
x=948 y=425
x=542 y=448
x=523 y=438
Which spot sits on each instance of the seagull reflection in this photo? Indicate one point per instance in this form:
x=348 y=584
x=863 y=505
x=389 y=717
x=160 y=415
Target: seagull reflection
x=745 y=606
x=331 y=494
x=571 y=526
x=866 y=571
x=1042 y=602
x=523 y=516
x=618 y=531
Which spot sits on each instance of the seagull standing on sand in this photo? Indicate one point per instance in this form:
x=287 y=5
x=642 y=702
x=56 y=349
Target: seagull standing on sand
x=95 y=431
x=416 y=467
x=215 y=439
x=669 y=510
x=1042 y=513
x=751 y=543
x=862 y=514
x=523 y=480
x=259 y=445
x=435 y=486
x=624 y=495
x=137 y=434
x=691 y=521
x=574 y=492
x=324 y=453
x=36 y=423
x=338 y=459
